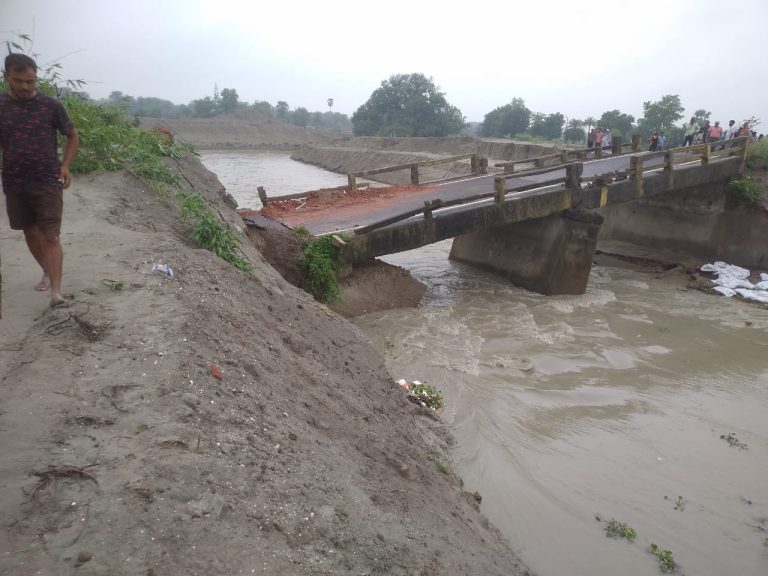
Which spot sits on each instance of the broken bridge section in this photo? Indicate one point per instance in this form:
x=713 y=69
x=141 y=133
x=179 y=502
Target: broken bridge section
x=536 y=227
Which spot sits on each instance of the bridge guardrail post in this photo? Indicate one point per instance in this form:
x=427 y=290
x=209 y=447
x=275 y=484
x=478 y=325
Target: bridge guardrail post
x=499 y=189
x=352 y=181
x=564 y=156
x=669 y=169
x=598 y=152
x=707 y=154
x=474 y=164
x=415 y=174
x=637 y=140
x=262 y=195
x=636 y=167
x=616 y=145
x=573 y=174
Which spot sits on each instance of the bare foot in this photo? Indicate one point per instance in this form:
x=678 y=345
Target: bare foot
x=44 y=285
x=57 y=300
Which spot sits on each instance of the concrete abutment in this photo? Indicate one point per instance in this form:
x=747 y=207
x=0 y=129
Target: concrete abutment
x=551 y=255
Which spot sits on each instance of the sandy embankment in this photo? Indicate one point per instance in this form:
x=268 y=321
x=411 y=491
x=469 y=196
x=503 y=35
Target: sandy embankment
x=123 y=453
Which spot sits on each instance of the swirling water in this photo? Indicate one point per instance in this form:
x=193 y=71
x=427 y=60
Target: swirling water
x=608 y=404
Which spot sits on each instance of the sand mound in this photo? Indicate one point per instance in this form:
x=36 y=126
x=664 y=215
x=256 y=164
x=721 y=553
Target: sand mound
x=210 y=423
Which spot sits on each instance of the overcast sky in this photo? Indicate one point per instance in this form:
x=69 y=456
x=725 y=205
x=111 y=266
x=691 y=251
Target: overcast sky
x=578 y=58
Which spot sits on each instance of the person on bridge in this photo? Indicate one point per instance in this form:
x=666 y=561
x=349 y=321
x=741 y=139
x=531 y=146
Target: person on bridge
x=654 y=142
x=731 y=131
x=691 y=129
x=33 y=176
x=662 y=141
x=744 y=132
x=715 y=132
x=591 y=138
x=607 y=138
x=599 y=138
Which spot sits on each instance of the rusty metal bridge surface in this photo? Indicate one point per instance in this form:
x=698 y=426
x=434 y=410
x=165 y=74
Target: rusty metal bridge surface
x=451 y=208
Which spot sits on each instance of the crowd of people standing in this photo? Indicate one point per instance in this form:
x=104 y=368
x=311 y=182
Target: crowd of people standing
x=693 y=133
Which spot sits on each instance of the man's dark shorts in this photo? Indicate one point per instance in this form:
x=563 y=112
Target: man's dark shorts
x=35 y=203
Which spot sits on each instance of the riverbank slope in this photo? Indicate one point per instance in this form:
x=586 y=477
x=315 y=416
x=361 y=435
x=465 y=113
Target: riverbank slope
x=209 y=422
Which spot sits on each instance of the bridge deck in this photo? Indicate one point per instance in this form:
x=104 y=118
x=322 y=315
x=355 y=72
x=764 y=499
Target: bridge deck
x=349 y=216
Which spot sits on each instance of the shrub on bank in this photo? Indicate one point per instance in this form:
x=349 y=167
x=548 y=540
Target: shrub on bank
x=757 y=155
x=743 y=191
x=319 y=262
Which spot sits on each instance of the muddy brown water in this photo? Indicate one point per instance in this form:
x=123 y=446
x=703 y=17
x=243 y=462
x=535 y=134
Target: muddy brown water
x=609 y=404
x=241 y=171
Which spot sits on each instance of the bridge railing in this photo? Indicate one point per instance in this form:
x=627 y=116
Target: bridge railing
x=478 y=164
x=573 y=180
x=638 y=166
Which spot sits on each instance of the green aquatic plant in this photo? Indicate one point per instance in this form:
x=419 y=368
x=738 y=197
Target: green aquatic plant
x=616 y=529
x=427 y=396
x=733 y=441
x=666 y=560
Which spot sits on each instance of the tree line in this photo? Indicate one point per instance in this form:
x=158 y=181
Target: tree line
x=412 y=105
x=224 y=101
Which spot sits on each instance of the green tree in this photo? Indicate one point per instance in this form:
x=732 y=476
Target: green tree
x=204 y=107
x=619 y=123
x=508 y=120
x=407 y=105
x=228 y=99
x=264 y=107
x=281 y=109
x=549 y=126
x=660 y=115
x=300 y=117
x=574 y=131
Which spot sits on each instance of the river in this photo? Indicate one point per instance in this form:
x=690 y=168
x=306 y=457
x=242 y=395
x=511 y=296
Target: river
x=617 y=404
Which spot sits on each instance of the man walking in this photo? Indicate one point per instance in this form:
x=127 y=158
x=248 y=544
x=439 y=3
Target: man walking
x=33 y=177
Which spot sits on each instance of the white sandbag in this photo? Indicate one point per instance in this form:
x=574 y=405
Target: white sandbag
x=756 y=295
x=725 y=291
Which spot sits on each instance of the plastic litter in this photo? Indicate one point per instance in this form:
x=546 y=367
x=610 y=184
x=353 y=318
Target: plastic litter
x=164 y=268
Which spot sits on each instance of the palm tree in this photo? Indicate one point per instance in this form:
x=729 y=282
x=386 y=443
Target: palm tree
x=574 y=131
x=330 y=104
x=589 y=121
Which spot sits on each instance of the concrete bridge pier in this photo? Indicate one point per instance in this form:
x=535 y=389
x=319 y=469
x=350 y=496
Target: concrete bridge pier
x=551 y=255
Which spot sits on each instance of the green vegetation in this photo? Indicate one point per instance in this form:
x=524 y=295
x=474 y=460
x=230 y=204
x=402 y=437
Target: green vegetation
x=512 y=118
x=443 y=468
x=319 y=263
x=226 y=101
x=666 y=561
x=747 y=190
x=743 y=191
x=427 y=396
x=109 y=141
x=733 y=441
x=407 y=105
x=301 y=231
x=757 y=155
x=616 y=529
x=210 y=232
